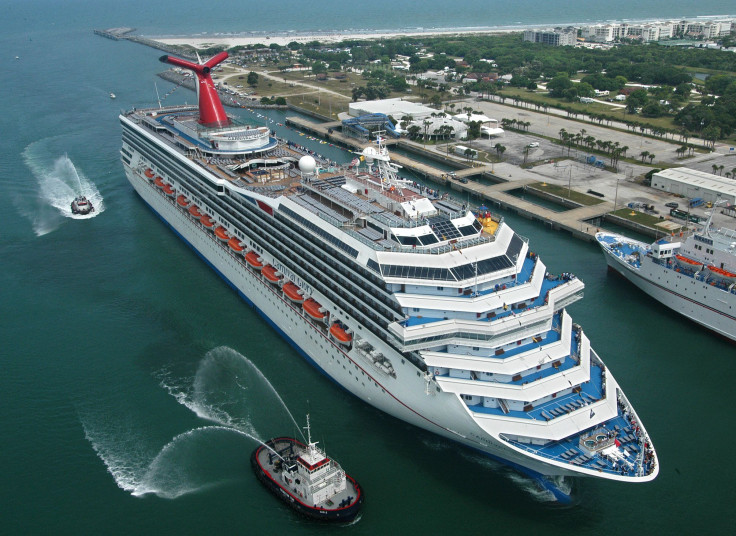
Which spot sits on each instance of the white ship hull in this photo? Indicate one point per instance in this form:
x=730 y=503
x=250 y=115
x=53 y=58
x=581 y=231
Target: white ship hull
x=405 y=396
x=694 y=299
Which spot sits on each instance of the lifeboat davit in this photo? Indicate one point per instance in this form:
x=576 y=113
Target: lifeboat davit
x=293 y=292
x=340 y=335
x=183 y=201
x=222 y=233
x=194 y=211
x=207 y=221
x=254 y=260
x=722 y=273
x=169 y=190
x=691 y=262
x=270 y=273
x=159 y=182
x=149 y=173
x=234 y=244
x=314 y=309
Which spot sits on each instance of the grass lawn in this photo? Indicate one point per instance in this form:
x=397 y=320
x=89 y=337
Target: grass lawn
x=572 y=195
x=640 y=217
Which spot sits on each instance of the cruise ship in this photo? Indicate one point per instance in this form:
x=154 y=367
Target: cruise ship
x=434 y=314
x=694 y=275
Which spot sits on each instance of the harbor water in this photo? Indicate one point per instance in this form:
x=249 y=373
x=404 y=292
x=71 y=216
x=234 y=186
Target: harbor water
x=135 y=383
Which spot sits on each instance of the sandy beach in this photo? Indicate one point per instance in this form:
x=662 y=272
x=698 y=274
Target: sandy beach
x=203 y=41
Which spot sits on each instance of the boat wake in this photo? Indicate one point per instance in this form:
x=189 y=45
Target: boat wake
x=59 y=183
x=227 y=389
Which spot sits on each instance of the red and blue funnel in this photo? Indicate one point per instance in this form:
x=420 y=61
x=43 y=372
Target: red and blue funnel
x=211 y=112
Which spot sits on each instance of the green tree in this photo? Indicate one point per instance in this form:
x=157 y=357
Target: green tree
x=252 y=79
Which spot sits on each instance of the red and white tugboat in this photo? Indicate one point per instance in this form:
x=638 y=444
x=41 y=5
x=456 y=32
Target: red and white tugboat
x=82 y=206
x=306 y=479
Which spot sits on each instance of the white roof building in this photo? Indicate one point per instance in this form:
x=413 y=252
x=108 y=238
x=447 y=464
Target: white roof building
x=397 y=108
x=692 y=183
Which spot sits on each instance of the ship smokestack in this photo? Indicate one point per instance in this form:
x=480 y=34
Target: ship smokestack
x=211 y=112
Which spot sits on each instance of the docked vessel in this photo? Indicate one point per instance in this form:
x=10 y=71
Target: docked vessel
x=406 y=299
x=82 y=206
x=694 y=275
x=307 y=480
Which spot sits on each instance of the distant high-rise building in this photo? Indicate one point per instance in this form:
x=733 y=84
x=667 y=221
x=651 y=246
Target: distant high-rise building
x=556 y=37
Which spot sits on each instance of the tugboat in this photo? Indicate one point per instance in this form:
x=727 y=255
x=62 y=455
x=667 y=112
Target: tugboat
x=307 y=480
x=82 y=206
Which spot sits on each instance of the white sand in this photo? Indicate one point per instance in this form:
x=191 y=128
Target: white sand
x=199 y=41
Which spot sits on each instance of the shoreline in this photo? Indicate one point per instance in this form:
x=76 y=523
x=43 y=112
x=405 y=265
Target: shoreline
x=283 y=38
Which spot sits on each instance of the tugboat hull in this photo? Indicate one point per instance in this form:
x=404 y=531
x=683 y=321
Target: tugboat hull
x=340 y=514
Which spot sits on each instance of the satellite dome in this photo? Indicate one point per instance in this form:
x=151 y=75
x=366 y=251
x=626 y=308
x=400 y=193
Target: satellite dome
x=369 y=152
x=307 y=164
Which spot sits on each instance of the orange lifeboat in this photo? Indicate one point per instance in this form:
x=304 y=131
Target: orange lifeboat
x=194 y=211
x=222 y=233
x=269 y=272
x=292 y=292
x=207 y=221
x=340 y=335
x=691 y=262
x=169 y=190
x=183 y=201
x=149 y=173
x=234 y=244
x=721 y=272
x=253 y=259
x=159 y=182
x=314 y=309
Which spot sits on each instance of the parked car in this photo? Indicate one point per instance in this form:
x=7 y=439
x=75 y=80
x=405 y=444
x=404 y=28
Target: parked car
x=533 y=144
x=671 y=204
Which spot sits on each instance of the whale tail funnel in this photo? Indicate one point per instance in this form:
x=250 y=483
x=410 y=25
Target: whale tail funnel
x=211 y=112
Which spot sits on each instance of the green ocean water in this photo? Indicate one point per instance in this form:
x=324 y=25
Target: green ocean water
x=134 y=382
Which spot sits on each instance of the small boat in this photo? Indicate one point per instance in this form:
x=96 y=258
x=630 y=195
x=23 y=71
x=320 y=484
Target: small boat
x=195 y=213
x=207 y=221
x=293 y=292
x=254 y=260
x=159 y=182
x=722 y=273
x=689 y=261
x=307 y=480
x=222 y=233
x=339 y=333
x=112 y=96
x=234 y=244
x=149 y=173
x=82 y=206
x=182 y=201
x=313 y=308
x=271 y=274
x=169 y=190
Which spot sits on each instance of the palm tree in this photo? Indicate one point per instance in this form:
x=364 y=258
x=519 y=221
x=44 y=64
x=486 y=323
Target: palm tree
x=643 y=155
x=720 y=169
x=651 y=158
x=715 y=168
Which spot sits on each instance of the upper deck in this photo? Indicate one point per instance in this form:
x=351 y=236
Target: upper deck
x=370 y=203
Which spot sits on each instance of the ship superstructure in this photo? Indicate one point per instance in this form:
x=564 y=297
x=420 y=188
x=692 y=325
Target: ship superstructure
x=438 y=316
x=694 y=275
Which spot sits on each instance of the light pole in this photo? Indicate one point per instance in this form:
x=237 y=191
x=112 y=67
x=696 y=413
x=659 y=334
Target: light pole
x=615 y=199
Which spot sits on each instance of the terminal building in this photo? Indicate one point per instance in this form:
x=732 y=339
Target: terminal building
x=396 y=108
x=692 y=183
